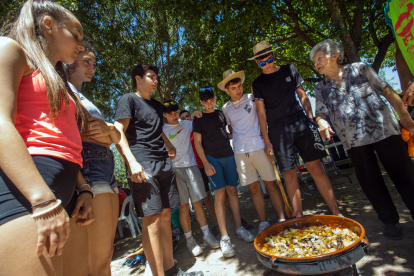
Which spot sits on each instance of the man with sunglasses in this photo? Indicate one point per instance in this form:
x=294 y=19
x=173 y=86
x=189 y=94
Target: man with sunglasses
x=146 y=151
x=211 y=140
x=248 y=146
x=189 y=180
x=285 y=127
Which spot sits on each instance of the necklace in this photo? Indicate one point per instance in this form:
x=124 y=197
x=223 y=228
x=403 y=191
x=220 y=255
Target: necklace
x=236 y=104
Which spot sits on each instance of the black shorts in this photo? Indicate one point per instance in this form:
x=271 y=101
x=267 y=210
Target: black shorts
x=60 y=175
x=205 y=179
x=159 y=192
x=301 y=136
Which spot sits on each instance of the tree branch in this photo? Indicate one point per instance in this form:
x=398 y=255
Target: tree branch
x=382 y=50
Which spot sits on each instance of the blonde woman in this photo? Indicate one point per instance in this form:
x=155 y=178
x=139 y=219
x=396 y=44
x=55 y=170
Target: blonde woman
x=41 y=187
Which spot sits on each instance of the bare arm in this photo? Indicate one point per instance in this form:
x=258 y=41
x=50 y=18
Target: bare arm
x=169 y=146
x=208 y=168
x=261 y=114
x=102 y=131
x=135 y=170
x=406 y=78
x=304 y=100
x=396 y=102
x=30 y=183
x=15 y=160
x=83 y=208
x=230 y=135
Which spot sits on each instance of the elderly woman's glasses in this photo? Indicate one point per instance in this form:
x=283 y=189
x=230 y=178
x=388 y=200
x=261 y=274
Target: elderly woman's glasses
x=167 y=104
x=269 y=60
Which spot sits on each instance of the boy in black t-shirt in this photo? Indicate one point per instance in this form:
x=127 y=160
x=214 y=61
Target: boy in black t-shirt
x=288 y=129
x=214 y=149
x=152 y=180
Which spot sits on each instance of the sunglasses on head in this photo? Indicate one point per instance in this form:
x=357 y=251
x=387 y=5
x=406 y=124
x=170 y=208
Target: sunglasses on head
x=207 y=89
x=269 y=60
x=167 y=104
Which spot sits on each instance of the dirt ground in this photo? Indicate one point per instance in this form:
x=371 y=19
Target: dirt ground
x=385 y=257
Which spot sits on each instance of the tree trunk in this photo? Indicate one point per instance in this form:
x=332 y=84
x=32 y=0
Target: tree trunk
x=351 y=51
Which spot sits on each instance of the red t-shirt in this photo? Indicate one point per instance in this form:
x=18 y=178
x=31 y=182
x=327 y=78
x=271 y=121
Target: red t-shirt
x=43 y=137
x=199 y=162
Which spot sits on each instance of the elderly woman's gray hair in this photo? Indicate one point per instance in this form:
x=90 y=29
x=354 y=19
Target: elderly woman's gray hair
x=330 y=47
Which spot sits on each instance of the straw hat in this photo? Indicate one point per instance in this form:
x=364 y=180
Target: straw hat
x=261 y=49
x=230 y=75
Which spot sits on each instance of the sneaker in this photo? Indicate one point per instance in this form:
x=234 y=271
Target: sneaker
x=263 y=226
x=246 y=225
x=148 y=271
x=194 y=273
x=340 y=215
x=392 y=231
x=245 y=235
x=193 y=247
x=211 y=241
x=215 y=230
x=226 y=248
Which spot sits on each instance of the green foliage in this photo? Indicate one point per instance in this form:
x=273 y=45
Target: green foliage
x=194 y=41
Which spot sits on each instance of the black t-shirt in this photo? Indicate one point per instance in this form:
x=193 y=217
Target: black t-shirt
x=144 y=132
x=212 y=127
x=278 y=91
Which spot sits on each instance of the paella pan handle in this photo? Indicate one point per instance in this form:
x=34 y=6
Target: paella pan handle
x=275 y=263
x=365 y=244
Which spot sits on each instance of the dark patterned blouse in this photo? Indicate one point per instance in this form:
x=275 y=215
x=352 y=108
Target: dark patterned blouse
x=356 y=109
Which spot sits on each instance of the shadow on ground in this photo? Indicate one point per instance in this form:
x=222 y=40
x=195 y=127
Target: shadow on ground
x=385 y=257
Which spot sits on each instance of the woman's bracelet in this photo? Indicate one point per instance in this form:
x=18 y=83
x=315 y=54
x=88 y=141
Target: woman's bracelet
x=44 y=202
x=87 y=191
x=59 y=202
x=80 y=188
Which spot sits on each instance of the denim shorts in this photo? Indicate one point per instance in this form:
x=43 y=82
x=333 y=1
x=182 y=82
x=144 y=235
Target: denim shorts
x=226 y=172
x=98 y=167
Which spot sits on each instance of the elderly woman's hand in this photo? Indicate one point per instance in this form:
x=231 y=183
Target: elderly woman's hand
x=325 y=129
x=408 y=124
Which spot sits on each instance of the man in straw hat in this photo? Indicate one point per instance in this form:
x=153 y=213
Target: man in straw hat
x=286 y=129
x=248 y=146
x=213 y=147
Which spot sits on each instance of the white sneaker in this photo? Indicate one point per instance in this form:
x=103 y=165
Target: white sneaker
x=211 y=241
x=226 y=248
x=193 y=247
x=245 y=235
x=263 y=226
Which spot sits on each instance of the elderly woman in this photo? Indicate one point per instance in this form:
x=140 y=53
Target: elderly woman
x=350 y=96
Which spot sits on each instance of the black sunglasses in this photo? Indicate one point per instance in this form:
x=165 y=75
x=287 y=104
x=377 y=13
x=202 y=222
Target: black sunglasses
x=263 y=63
x=206 y=89
x=167 y=104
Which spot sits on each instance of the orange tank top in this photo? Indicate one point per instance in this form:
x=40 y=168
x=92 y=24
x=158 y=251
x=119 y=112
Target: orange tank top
x=42 y=137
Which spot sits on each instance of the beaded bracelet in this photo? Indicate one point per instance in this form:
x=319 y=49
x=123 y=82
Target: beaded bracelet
x=87 y=191
x=59 y=202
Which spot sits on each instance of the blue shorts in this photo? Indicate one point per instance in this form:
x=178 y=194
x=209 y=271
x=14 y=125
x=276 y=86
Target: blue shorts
x=98 y=167
x=226 y=172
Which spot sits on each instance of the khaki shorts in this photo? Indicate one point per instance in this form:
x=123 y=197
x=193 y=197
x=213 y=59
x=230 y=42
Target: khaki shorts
x=250 y=164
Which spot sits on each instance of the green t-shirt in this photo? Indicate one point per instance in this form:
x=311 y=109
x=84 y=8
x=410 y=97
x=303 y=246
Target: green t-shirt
x=399 y=16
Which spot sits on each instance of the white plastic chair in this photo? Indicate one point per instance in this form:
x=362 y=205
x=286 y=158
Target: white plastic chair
x=131 y=218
